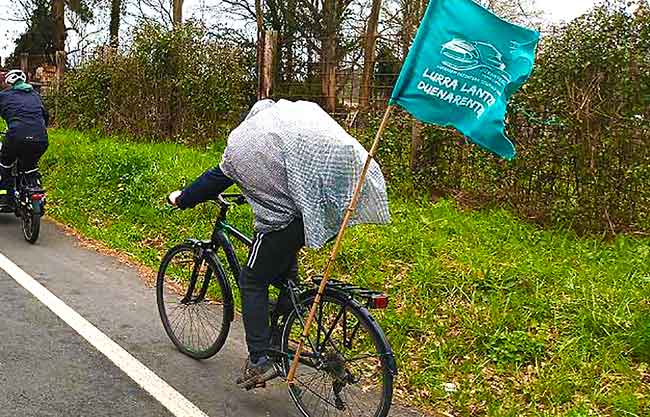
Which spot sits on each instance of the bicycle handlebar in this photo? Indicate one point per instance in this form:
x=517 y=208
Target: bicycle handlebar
x=225 y=200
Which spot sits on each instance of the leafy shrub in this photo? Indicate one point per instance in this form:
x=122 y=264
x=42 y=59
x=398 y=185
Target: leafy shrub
x=581 y=127
x=170 y=84
x=526 y=322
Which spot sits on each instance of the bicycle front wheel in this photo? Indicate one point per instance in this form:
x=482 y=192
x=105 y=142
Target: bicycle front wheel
x=345 y=368
x=194 y=301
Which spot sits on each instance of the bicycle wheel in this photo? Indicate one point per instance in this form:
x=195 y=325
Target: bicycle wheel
x=31 y=225
x=194 y=301
x=344 y=369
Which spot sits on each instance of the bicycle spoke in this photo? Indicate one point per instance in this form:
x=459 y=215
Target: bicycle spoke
x=196 y=326
x=347 y=377
x=316 y=394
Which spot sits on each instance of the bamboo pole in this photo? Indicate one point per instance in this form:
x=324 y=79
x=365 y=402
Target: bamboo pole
x=330 y=263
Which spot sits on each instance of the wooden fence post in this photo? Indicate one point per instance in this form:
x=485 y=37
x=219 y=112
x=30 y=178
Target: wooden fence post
x=60 y=67
x=267 y=64
x=58 y=80
x=416 y=145
x=260 y=46
x=24 y=62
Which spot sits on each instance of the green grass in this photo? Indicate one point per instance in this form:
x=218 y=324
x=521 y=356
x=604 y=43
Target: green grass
x=525 y=322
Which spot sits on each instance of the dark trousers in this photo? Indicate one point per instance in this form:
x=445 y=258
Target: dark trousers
x=27 y=152
x=272 y=260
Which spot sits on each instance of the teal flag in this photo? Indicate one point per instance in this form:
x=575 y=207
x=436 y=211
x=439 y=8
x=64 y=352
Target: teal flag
x=464 y=65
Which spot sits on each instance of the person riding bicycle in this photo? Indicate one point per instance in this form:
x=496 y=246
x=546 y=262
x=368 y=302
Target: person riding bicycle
x=26 y=139
x=297 y=169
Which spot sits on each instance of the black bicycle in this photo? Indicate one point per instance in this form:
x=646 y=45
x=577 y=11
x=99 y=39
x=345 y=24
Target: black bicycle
x=347 y=366
x=26 y=200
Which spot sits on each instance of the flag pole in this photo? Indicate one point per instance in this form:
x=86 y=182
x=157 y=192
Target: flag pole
x=330 y=263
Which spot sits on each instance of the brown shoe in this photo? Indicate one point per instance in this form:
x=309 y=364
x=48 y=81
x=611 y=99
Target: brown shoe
x=255 y=375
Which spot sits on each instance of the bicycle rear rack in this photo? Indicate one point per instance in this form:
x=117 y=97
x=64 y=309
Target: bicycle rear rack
x=369 y=298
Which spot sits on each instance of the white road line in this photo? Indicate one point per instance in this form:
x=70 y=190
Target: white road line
x=174 y=401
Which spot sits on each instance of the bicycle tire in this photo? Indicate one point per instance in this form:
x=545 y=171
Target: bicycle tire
x=218 y=306
x=360 y=399
x=31 y=225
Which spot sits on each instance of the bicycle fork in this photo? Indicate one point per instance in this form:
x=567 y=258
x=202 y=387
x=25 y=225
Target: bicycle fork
x=199 y=259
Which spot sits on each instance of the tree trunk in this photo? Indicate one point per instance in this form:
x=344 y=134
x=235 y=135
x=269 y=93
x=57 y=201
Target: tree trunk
x=178 y=12
x=58 y=17
x=419 y=7
x=369 y=55
x=328 y=56
x=114 y=25
x=290 y=34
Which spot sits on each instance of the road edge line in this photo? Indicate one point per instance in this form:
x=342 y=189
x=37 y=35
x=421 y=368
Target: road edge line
x=164 y=393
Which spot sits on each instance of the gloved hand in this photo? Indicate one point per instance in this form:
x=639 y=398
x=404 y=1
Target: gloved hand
x=171 y=199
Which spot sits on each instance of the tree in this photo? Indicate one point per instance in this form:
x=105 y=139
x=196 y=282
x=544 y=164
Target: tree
x=369 y=54
x=178 y=12
x=152 y=11
x=523 y=12
x=58 y=18
x=328 y=54
x=114 y=25
x=38 y=38
x=81 y=8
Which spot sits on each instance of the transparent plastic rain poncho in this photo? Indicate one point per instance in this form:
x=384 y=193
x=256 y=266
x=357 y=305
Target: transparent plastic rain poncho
x=292 y=159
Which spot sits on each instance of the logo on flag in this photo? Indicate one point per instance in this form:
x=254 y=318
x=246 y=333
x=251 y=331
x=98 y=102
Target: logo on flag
x=464 y=65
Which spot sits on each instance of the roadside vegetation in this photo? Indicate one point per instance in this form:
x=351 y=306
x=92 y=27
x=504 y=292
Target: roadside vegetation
x=580 y=125
x=489 y=315
x=517 y=288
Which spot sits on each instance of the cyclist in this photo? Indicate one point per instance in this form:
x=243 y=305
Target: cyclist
x=297 y=168
x=26 y=139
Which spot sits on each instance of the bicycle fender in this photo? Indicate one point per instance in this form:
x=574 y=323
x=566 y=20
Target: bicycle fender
x=387 y=351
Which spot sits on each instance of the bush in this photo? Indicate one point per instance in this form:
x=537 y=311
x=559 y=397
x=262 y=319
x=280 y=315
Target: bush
x=525 y=322
x=581 y=128
x=170 y=84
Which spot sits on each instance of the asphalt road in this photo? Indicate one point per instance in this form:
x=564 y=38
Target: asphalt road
x=48 y=369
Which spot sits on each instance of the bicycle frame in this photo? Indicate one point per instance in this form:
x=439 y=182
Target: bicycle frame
x=220 y=237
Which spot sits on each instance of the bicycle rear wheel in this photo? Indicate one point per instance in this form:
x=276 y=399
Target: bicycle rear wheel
x=194 y=301
x=345 y=369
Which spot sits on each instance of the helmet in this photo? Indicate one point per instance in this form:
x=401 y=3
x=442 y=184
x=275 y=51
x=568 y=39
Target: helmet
x=13 y=76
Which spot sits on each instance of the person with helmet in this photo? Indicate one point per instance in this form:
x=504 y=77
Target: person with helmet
x=26 y=139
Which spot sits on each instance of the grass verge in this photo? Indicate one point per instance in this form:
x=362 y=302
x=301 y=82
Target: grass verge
x=522 y=322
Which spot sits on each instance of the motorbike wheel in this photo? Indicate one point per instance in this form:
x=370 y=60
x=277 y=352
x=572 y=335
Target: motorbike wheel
x=31 y=225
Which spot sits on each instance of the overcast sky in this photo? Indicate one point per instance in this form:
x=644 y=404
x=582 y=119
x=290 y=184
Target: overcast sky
x=554 y=10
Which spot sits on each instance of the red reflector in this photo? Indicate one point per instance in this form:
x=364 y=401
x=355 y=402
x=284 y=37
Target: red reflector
x=36 y=197
x=379 y=301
